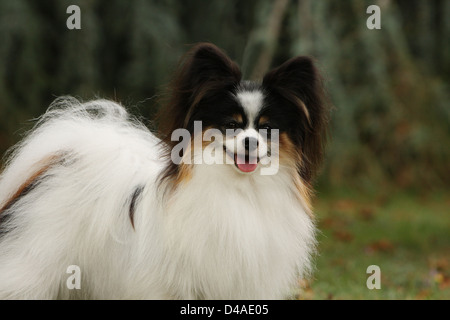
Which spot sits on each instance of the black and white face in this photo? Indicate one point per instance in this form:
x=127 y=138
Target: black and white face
x=251 y=119
x=284 y=110
x=245 y=130
x=247 y=136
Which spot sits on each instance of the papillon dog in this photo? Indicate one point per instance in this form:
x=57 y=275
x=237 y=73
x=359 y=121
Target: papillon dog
x=94 y=205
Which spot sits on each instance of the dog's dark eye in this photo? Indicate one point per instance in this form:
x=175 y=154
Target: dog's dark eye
x=265 y=126
x=231 y=125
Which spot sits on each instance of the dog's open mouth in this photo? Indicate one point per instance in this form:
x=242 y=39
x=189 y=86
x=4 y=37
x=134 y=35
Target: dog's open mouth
x=244 y=162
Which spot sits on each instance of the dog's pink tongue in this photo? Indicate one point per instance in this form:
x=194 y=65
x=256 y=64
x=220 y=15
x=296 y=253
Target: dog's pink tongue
x=245 y=166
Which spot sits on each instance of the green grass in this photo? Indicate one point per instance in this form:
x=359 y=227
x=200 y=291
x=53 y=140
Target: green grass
x=407 y=236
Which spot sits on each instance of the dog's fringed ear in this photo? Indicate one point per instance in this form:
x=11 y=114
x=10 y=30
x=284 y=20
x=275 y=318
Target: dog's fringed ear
x=204 y=70
x=299 y=82
x=206 y=64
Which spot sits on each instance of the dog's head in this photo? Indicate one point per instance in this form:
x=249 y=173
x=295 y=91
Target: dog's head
x=281 y=119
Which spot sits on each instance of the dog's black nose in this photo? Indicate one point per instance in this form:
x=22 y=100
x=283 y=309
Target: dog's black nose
x=250 y=143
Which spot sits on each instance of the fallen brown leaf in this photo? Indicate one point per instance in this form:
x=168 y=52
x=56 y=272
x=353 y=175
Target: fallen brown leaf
x=445 y=284
x=366 y=214
x=423 y=294
x=382 y=245
x=344 y=236
x=440 y=264
x=344 y=205
x=333 y=223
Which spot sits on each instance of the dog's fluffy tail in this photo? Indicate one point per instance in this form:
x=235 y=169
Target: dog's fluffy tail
x=68 y=129
x=77 y=154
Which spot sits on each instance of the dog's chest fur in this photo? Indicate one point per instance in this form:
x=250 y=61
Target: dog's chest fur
x=250 y=230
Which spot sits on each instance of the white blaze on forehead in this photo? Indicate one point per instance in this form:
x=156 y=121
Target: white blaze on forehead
x=252 y=102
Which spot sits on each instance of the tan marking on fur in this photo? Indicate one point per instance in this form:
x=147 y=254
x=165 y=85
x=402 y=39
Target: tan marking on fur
x=305 y=195
x=184 y=173
x=289 y=154
x=238 y=117
x=302 y=106
x=185 y=167
x=290 y=157
x=41 y=167
x=263 y=120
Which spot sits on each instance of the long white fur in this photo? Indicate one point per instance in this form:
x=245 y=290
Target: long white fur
x=218 y=235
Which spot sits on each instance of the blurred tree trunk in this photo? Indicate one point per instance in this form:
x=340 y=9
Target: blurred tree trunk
x=264 y=38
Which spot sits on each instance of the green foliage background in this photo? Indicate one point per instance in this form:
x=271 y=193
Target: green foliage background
x=390 y=124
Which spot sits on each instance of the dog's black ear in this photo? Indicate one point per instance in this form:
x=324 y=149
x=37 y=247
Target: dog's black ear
x=206 y=64
x=294 y=71
x=204 y=71
x=299 y=82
